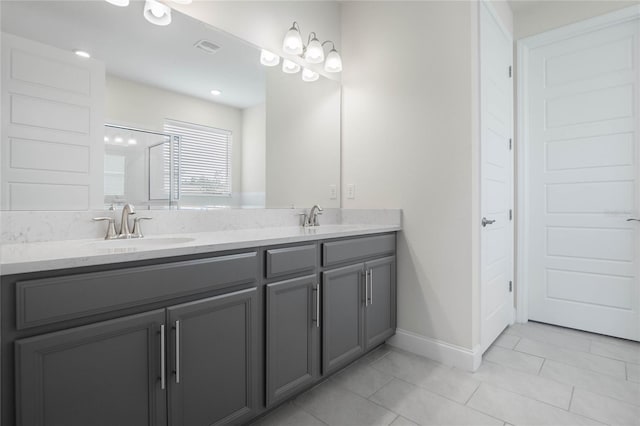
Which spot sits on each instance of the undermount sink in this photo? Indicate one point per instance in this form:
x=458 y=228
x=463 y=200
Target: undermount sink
x=134 y=243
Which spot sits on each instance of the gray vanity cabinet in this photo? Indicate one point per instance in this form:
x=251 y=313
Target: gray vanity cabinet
x=292 y=337
x=213 y=356
x=380 y=306
x=342 y=316
x=102 y=374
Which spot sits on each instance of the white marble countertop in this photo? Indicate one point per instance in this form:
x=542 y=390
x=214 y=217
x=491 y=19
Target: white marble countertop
x=43 y=256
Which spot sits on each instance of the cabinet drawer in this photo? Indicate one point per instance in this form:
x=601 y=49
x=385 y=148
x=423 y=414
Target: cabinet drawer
x=285 y=261
x=49 y=300
x=337 y=252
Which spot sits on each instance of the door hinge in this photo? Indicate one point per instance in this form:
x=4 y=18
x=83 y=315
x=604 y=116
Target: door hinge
x=510 y=144
x=510 y=286
x=510 y=71
x=510 y=214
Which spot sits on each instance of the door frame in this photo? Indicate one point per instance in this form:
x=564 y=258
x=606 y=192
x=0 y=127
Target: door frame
x=509 y=35
x=522 y=141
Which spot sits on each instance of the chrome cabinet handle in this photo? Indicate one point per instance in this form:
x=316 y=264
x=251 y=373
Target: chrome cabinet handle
x=486 y=221
x=633 y=219
x=178 y=351
x=371 y=286
x=163 y=378
x=318 y=306
x=366 y=287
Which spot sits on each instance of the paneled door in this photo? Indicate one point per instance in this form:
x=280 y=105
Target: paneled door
x=581 y=118
x=496 y=192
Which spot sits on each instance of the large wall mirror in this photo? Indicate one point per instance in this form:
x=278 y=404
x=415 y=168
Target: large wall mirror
x=175 y=116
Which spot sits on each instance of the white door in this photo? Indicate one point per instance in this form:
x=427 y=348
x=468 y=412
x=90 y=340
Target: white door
x=496 y=192
x=582 y=173
x=52 y=123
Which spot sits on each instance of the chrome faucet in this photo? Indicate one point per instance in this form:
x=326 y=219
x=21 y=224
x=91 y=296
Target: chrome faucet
x=311 y=219
x=125 y=230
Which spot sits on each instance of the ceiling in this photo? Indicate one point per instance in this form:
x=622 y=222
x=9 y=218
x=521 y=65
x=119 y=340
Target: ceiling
x=135 y=49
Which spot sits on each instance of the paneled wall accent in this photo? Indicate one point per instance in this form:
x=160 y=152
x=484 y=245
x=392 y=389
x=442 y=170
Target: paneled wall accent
x=52 y=122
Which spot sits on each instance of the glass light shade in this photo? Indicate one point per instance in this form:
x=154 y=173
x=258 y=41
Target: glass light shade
x=292 y=42
x=157 y=13
x=334 y=62
x=314 y=53
x=309 y=75
x=269 y=59
x=121 y=3
x=290 y=67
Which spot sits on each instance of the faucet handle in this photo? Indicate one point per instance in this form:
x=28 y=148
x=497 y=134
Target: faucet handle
x=305 y=219
x=111 y=227
x=137 y=230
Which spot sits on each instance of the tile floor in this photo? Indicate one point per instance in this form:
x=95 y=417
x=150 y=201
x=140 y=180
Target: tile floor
x=534 y=374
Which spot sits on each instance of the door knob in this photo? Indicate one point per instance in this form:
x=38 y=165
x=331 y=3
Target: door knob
x=486 y=221
x=633 y=219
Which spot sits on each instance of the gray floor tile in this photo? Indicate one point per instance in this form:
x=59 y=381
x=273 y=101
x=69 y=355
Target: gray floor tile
x=375 y=355
x=536 y=387
x=401 y=421
x=605 y=409
x=595 y=382
x=549 y=335
x=633 y=372
x=426 y=408
x=520 y=410
x=444 y=380
x=584 y=360
x=512 y=359
x=338 y=407
x=624 y=351
x=507 y=341
x=288 y=414
x=362 y=379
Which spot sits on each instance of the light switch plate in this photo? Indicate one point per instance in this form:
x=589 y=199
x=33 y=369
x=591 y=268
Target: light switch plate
x=351 y=191
x=333 y=192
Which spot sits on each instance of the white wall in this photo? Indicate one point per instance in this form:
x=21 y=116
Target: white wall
x=254 y=155
x=534 y=17
x=303 y=140
x=409 y=131
x=135 y=104
x=264 y=23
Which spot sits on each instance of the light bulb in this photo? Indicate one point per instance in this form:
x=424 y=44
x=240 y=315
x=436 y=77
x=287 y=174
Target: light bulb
x=216 y=92
x=132 y=141
x=157 y=13
x=121 y=3
x=118 y=139
x=290 y=67
x=269 y=59
x=314 y=53
x=334 y=62
x=106 y=138
x=82 y=54
x=309 y=75
x=292 y=42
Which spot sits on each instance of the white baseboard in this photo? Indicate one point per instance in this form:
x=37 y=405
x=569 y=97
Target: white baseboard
x=437 y=350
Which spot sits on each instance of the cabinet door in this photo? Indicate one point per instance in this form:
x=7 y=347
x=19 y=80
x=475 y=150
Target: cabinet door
x=292 y=336
x=106 y=373
x=342 y=316
x=213 y=353
x=380 y=311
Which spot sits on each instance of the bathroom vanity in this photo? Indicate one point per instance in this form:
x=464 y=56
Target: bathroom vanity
x=195 y=334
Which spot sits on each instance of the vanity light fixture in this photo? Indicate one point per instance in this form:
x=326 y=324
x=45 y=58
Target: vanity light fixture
x=309 y=75
x=290 y=67
x=216 y=92
x=118 y=139
x=269 y=59
x=333 y=62
x=292 y=42
x=120 y=3
x=157 y=13
x=132 y=141
x=82 y=54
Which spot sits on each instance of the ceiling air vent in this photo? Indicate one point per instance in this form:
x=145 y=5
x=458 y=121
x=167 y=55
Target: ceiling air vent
x=207 y=46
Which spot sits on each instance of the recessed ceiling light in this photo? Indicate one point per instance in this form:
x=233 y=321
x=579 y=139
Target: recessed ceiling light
x=216 y=92
x=82 y=53
x=132 y=141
